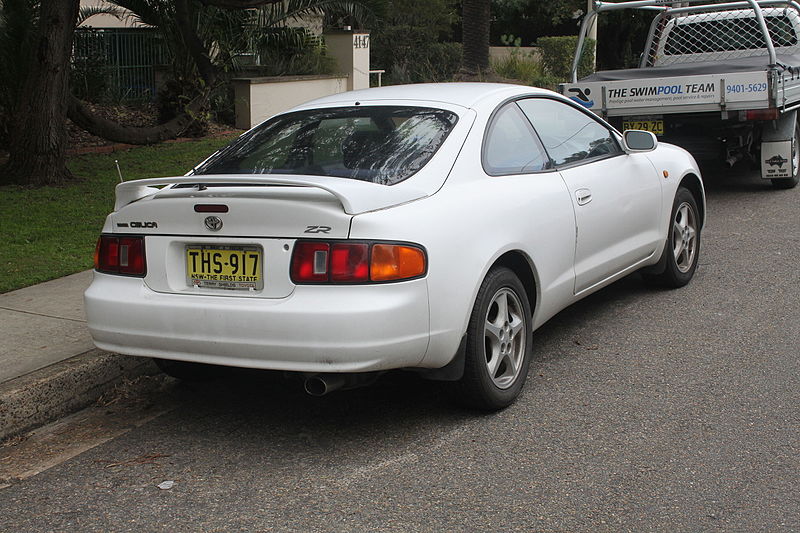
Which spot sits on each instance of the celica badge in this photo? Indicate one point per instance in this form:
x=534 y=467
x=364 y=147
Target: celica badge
x=776 y=160
x=213 y=223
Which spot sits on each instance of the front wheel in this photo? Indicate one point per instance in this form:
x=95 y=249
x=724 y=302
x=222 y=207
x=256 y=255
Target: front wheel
x=682 y=248
x=498 y=343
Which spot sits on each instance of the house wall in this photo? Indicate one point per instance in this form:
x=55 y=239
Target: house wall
x=257 y=99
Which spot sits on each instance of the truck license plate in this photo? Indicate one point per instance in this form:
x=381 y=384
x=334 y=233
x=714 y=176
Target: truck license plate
x=654 y=126
x=225 y=267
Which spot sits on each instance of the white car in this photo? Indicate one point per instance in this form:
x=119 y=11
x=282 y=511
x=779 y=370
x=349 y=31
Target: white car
x=423 y=227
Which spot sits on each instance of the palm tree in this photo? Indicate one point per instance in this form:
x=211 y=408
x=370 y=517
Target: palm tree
x=475 y=24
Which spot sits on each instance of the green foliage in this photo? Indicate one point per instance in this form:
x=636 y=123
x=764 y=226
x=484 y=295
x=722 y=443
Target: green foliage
x=525 y=68
x=629 y=28
x=410 y=42
x=35 y=249
x=558 y=53
x=510 y=40
x=529 y=20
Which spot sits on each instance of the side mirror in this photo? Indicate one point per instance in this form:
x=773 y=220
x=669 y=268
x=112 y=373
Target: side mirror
x=639 y=141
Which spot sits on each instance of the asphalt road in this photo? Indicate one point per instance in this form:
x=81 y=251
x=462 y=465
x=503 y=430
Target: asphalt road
x=645 y=410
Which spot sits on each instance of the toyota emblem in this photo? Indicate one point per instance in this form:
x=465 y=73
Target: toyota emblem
x=213 y=223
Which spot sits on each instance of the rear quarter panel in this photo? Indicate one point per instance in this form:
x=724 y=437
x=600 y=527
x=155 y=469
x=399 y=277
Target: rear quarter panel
x=467 y=226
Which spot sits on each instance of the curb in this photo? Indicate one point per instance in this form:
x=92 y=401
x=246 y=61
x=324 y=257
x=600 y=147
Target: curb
x=60 y=389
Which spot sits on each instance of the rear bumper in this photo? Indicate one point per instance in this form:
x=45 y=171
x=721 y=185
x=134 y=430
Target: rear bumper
x=314 y=329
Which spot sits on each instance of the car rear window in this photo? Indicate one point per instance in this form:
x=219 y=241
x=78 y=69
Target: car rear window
x=381 y=144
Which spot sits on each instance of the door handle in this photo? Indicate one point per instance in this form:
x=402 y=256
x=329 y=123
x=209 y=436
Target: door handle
x=584 y=196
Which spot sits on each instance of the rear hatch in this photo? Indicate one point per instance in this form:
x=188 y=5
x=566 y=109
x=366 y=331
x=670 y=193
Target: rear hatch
x=228 y=240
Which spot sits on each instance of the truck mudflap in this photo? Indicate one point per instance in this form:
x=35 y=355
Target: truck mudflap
x=679 y=94
x=778 y=148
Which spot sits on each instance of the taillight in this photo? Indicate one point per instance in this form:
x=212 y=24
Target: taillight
x=391 y=262
x=120 y=255
x=761 y=114
x=355 y=262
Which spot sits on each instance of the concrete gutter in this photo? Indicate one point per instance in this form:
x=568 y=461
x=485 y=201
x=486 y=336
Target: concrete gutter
x=62 y=388
x=48 y=364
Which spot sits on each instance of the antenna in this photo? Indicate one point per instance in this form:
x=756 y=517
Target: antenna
x=116 y=162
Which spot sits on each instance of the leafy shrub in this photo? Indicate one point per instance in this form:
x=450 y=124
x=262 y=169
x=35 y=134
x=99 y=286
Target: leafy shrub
x=525 y=68
x=410 y=41
x=558 y=52
x=410 y=55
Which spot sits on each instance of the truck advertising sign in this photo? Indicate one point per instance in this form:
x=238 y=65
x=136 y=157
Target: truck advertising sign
x=673 y=91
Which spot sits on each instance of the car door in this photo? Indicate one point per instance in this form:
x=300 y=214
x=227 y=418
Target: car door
x=530 y=204
x=616 y=196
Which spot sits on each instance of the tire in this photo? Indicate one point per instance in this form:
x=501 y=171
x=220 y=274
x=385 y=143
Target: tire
x=791 y=183
x=186 y=371
x=500 y=325
x=682 y=248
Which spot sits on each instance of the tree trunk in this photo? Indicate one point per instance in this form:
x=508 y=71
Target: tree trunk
x=83 y=117
x=38 y=126
x=475 y=35
x=184 y=20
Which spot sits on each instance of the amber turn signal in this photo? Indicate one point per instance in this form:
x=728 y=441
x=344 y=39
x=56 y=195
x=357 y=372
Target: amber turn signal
x=391 y=262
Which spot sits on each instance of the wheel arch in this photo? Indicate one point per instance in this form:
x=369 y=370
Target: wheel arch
x=520 y=264
x=692 y=182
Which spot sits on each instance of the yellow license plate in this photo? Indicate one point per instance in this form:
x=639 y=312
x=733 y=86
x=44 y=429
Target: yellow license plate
x=654 y=126
x=225 y=267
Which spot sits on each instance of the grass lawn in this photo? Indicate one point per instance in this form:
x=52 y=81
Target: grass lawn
x=51 y=232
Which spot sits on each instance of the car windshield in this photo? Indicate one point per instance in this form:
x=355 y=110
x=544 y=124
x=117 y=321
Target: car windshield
x=381 y=144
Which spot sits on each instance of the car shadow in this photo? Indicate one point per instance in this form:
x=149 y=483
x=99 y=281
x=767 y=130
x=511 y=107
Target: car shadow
x=268 y=408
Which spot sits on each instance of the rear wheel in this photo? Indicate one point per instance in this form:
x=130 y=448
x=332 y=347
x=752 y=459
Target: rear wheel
x=498 y=343
x=682 y=248
x=790 y=183
x=186 y=371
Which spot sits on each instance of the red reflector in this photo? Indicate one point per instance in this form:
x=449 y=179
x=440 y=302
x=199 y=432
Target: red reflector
x=210 y=208
x=761 y=114
x=120 y=255
x=310 y=262
x=350 y=262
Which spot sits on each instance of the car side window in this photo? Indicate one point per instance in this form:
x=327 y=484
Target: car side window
x=569 y=135
x=511 y=146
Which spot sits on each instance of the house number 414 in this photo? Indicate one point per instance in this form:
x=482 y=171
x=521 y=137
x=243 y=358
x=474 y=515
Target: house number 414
x=360 y=41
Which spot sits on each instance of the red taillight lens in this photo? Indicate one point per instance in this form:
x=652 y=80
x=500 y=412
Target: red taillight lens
x=360 y=262
x=350 y=262
x=120 y=255
x=310 y=262
x=761 y=114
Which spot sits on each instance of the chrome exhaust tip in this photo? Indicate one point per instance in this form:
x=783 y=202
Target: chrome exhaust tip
x=322 y=384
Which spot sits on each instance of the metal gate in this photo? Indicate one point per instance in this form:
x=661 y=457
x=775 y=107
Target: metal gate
x=116 y=65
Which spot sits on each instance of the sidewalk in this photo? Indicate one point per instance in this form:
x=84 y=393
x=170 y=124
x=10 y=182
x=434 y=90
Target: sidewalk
x=48 y=364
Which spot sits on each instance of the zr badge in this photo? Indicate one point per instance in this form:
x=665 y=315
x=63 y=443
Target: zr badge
x=317 y=229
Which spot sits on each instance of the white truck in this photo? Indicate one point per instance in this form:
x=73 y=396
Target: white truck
x=722 y=80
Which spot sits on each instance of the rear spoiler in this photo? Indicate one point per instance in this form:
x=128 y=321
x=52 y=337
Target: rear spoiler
x=355 y=196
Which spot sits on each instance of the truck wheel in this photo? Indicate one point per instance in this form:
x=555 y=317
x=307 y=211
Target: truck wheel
x=790 y=183
x=682 y=248
x=498 y=343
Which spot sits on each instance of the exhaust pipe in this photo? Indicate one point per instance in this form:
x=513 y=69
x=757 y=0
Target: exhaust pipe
x=322 y=384
x=733 y=159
